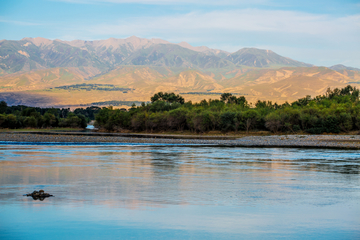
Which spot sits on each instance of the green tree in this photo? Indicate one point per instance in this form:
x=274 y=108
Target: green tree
x=177 y=118
x=167 y=97
x=228 y=120
x=251 y=117
x=30 y=122
x=3 y=107
x=50 y=120
x=273 y=122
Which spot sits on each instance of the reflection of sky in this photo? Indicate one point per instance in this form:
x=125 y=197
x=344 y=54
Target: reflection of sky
x=90 y=126
x=179 y=222
x=179 y=192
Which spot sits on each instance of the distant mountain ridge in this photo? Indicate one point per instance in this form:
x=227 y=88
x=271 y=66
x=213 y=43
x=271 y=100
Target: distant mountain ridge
x=40 y=53
x=31 y=69
x=254 y=57
x=339 y=67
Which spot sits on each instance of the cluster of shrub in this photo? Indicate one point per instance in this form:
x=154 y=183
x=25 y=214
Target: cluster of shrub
x=30 y=117
x=336 y=111
x=89 y=87
x=210 y=93
x=117 y=103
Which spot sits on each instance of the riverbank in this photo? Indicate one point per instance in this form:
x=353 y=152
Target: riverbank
x=306 y=141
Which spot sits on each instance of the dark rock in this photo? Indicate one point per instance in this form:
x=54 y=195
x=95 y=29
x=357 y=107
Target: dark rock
x=39 y=195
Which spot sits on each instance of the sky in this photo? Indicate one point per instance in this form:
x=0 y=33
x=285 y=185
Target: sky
x=319 y=32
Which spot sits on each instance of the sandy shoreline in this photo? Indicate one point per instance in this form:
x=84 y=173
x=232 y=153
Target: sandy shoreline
x=311 y=141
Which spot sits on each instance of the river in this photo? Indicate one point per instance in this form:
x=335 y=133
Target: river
x=152 y=191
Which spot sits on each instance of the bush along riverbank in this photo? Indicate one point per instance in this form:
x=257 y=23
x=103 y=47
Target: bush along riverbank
x=336 y=111
x=15 y=117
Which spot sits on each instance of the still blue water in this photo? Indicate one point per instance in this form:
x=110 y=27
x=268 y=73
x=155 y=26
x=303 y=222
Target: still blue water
x=144 y=191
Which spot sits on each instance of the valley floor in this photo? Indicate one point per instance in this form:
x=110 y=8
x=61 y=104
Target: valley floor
x=304 y=141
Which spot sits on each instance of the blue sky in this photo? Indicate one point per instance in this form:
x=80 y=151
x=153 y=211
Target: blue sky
x=320 y=32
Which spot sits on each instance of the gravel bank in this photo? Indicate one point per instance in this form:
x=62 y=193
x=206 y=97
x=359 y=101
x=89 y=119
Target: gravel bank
x=320 y=141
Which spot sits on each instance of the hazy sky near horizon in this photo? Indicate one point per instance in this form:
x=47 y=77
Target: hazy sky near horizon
x=319 y=32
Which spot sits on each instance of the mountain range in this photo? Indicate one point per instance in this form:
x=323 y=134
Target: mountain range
x=35 y=68
x=40 y=53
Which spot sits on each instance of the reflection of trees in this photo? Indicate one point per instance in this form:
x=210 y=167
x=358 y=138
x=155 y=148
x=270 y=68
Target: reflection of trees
x=283 y=158
x=165 y=162
x=329 y=166
x=314 y=165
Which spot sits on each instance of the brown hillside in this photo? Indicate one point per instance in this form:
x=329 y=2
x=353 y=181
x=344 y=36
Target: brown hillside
x=129 y=76
x=277 y=85
x=262 y=76
x=47 y=78
x=291 y=89
x=193 y=80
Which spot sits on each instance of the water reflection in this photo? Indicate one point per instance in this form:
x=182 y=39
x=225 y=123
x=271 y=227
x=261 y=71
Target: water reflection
x=253 y=192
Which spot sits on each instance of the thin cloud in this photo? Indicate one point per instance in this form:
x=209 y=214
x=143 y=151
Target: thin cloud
x=22 y=23
x=236 y=21
x=336 y=36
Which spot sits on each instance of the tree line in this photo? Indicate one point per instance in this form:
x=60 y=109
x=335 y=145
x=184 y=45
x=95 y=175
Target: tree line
x=117 y=103
x=20 y=116
x=89 y=87
x=210 y=93
x=336 y=111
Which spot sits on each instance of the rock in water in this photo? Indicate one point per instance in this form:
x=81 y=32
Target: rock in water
x=39 y=195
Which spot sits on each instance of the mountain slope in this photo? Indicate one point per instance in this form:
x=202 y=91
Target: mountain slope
x=150 y=80
x=130 y=76
x=339 y=67
x=45 y=78
x=206 y=50
x=25 y=55
x=267 y=76
x=291 y=89
x=193 y=80
x=175 y=56
x=253 y=57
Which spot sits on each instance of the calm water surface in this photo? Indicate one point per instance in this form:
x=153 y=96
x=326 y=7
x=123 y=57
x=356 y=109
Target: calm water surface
x=178 y=192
